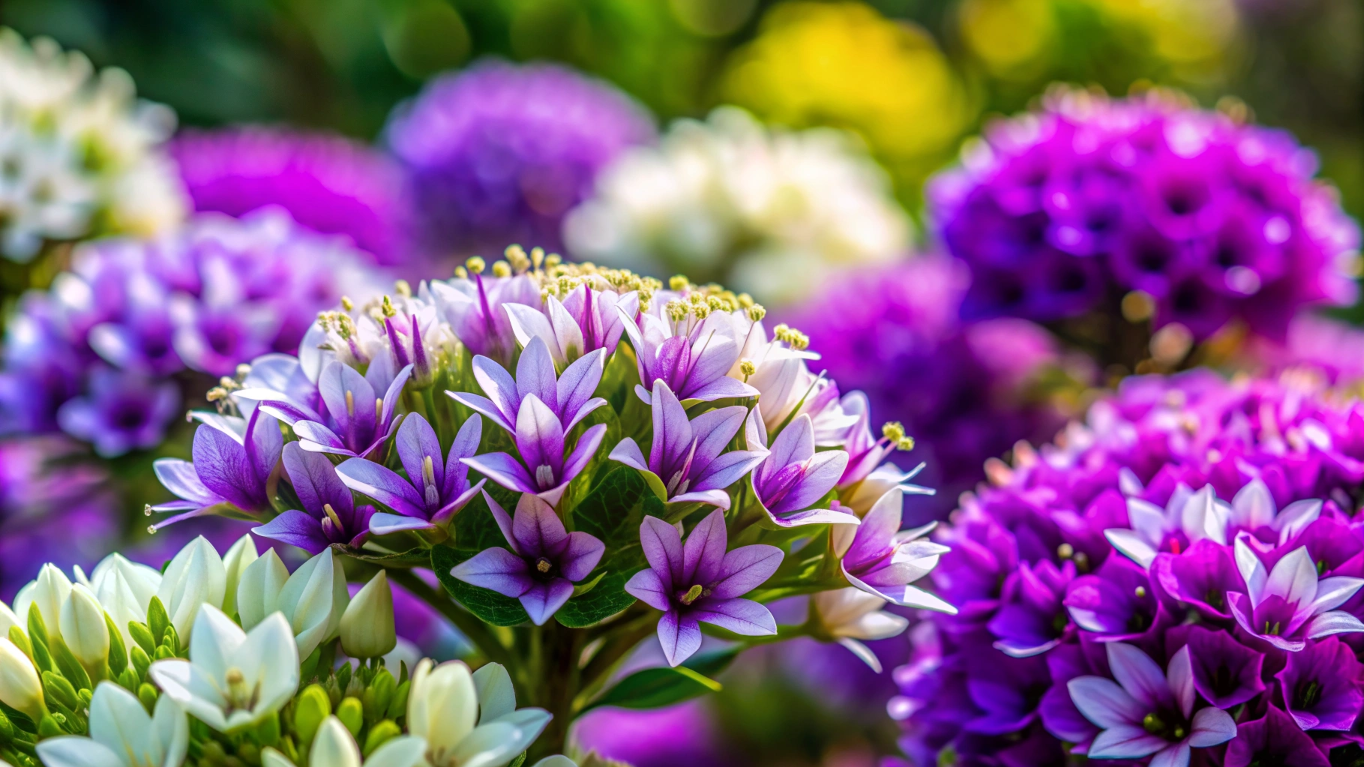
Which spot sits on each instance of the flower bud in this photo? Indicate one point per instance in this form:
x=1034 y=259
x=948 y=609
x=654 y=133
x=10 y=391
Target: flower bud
x=314 y=599
x=367 y=626
x=312 y=707
x=125 y=590
x=258 y=588
x=195 y=577
x=84 y=629
x=7 y=619
x=47 y=592
x=20 y=687
x=242 y=554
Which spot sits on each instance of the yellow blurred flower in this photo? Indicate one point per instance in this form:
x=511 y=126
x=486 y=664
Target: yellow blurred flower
x=843 y=64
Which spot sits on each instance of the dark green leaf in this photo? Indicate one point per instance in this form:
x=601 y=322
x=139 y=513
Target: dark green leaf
x=488 y=606
x=656 y=688
x=610 y=512
x=712 y=663
x=607 y=598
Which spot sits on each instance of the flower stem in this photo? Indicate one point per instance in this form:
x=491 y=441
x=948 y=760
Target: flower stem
x=470 y=626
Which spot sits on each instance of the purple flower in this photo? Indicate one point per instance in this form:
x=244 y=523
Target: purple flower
x=329 y=514
x=586 y=320
x=1031 y=618
x=1320 y=686
x=882 y=561
x=327 y=183
x=499 y=152
x=120 y=412
x=352 y=419
x=701 y=582
x=544 y=562
x=792 y=476
x=1117 y=602
x=1273 y=739
x=1188 y=517
x=568 y=397
x=1225 y=672
x=687 y=462
x=433 y=491
x=1201 y=577
x=476 y=308
x=693 y=357
x=233 y=459
x=1289 y=605
x=1147 y=712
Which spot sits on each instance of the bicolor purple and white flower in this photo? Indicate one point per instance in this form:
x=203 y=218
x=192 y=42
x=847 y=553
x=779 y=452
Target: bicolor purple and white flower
x=586 y=320
x=436 y=487
x=692 y=356
x=1288 y=605
x=353 y=419
x=568 y=396
x=543 y=563
x=475 y=307
x=1188 y=517
x=329 y=514
x=879 y=559
x=233 y=459
x=687 y=462
x=701 y=582
x=1147 y=712
x=543 y=468
x=793 y=477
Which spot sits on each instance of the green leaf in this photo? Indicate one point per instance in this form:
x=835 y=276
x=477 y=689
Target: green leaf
x=158 y=620
x=488 y=606
x=605 y=599
x=118 y=652
x=656 y=688
x=519 y=761
x=608 y=511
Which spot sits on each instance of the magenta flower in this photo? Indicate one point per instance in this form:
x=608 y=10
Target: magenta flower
x=879 y=559
x=433 y=491
x=1225 y=672
x=692 y=357
x=1187 y=518
x=233 y=459
x=701 y=582
x=1116 y=601
x=353 y=419
x=792 y=477
x=1288 y=605
x=1321 y=686
x=687 y=462
x=329 y=513
x=1274 y=739
x=1200 y=577
x=544 y=561
x=1031 y=618
x=567 y=396
x=1147 y=712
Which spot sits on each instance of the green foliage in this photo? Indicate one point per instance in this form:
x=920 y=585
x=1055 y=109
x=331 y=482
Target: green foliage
x=657 y=687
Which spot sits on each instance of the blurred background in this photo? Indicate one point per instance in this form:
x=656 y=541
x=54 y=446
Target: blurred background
x=767 y=144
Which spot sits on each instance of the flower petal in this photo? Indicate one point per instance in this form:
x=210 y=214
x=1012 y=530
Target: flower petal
x=1125 y=741
x=745 y=569
x=383 y=485
x=680 y=637
x=496 y=569
x=1104 y=702
x=742 y=616
x=1211 y=726
x=647 y=588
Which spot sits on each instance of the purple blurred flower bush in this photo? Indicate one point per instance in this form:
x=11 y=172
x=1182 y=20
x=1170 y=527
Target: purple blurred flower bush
x=1173 y=579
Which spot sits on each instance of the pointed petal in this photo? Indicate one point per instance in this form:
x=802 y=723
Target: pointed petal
x=704 y=550
x=1211 y=726
x=1334 y=622
x=1138 y=674
x=535 y=375
x=314 y=480
x=1180 y=678
x=647 y=588
x=680 y=637
x=484 y=406
x=1126 y=741
x=579 y=382
x=1103 y=702
x=628 y=453
x=388 y=524
x=497 y=383
x=504 y=470
x=745 y=569
x=496 y=569
x=742 y=616
x=383 y=485
x=542 y=600
x=296 y=529
x=1131 y=545
x=663 y=549
x=581 y=557
x=539 y=531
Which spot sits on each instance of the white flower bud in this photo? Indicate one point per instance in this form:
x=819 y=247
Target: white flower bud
x=7 y=619
x=314 y=600
x=47 y=593
x=259 y=588
x=195 y=577
x=125 y=590
x=20 y=687
x=367 y=625
x=235 y=561
x=84 y=630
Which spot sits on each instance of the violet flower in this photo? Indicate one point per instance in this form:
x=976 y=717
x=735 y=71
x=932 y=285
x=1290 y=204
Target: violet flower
x=1200 y=577
x=1146 y=711
x=353 y=421
x=476 y=308
x=690 y=453
x=433 y=491
x=1116 y=602
x=1188 y=517
x=233 y=459
x=1225 y=672
x=692 y=356
x=793 y=476
x=329 y=515
x=585 y=321
x=1289 y=605
x=544 y=561
x=120 y=412
x=1031 y=618
x=880 y=560
x=701 y=582
x=568 y=396
x=1320 y=686
x=1273 y=739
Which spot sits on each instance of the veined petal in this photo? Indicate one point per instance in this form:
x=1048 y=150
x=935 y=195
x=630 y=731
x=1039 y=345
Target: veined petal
x=387 y=524
x=1252 y=570
x=483 y=406
x=628 y=453
x=647 y=588
x=679 y=636
x=535 y=375
x=579 y=382
x=383 y=485
x=1139 y=675
x=1104 y=703
x=1180 y=677
x=1127 y=741
x=741 y=616
x=504 y=470
x=1211 y=726
x=1174 y=755
x=1335 y=591
x=1333 y=622
x=1131 y=545
x=496 y=569
x=662 y=546
x=542 y=600
x=1294 y=578
x=704 y=551
x=745 y=569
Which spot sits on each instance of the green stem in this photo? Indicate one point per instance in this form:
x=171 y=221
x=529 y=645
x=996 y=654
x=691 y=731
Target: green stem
x=607 y=660
x=473 y=629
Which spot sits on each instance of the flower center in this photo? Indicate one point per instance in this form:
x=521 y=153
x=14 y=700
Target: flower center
x=1307 y=694
x=239 y=696
x=544 y=565
x=1272 y=629
x=694 y=593
x=544 y=476
x=1155 y=725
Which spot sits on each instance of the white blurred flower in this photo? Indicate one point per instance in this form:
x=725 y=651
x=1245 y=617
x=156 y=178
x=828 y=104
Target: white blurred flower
x=765 y=211
x=122 y=734
x=850 y=615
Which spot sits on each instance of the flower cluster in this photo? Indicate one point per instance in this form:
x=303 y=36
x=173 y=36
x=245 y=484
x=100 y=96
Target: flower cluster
x=499 y=153
x=77 y=152
x=1179 y=573
x=579 y=453
x=1208 y=220
x=99 y=354
x=967 y=391
x=327 y=183
x=232 y=659
x=845 y=64
x=771 y=212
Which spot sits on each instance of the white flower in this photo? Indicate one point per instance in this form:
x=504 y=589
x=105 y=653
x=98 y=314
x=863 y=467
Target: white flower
x=313 y=599
x=848 y=615
x=443 y=709
x=367 y=629
x=125 y=590
x=233 y=679
x=122 y=734
x=194 y=577
x=20 y=687
x=84 y=629
x=8 y=619
x=333 y=746
x=47 y=592
x=236 y=560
